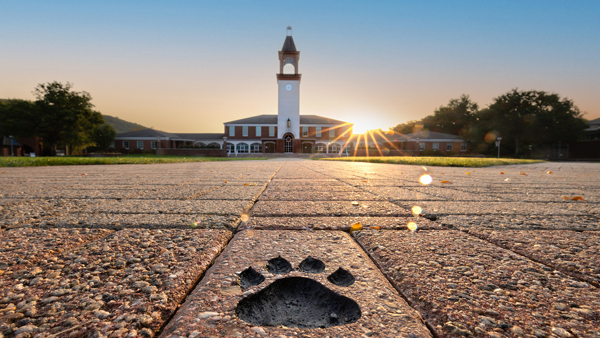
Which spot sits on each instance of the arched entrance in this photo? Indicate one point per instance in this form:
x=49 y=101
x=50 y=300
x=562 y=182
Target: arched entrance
x=288 y=145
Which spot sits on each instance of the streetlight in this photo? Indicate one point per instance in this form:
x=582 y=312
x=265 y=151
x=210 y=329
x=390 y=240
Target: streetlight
x=418 y=147
x=225 y=145
x=12 y=153
x=498 y=139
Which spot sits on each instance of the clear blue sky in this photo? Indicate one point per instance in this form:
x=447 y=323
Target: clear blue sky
x=189 y=66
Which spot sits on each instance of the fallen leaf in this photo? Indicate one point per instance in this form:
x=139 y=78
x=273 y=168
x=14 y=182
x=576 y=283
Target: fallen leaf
x=356 y=227
x=566 y=197
x=355 y=203
x=84 y=174
x=375 y=227
x=577 y=198
x=441 y=173
x=524 y=174
x=448 y=182
x=365 y=181
x=549 y=172
x=225 y=181
x=4 y=172
x=502 y=172
x=246 y=183
x=468 y=173
x=506 y=180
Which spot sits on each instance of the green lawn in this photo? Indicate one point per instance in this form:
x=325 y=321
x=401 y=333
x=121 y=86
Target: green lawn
x=436 y=161
x=125 y=159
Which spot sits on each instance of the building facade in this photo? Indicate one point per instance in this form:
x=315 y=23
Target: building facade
x=286 y=132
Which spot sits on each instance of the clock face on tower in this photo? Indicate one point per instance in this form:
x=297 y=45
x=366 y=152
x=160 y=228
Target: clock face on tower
x=288 y=87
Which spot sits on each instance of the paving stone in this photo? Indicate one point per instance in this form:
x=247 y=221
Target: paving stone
x=147 y=221
x=305 y=182
x=435 y=208
x=243 y=192
x=131 y=280
x=211 y=308
x=25 y=246
x=336 y=223
x=157 y=206
x=521 y=222
x=573 y=253
x=468 y=287
x=357 y=195
x=331 y=208
x=403 y=194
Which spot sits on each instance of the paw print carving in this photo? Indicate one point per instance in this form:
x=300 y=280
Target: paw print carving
x=297 y=301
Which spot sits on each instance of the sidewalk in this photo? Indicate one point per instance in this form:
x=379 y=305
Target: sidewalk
x=145 y=250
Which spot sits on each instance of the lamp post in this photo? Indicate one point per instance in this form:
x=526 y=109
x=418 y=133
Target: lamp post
x=498 y=139
x=12 y=153
x=225 y=145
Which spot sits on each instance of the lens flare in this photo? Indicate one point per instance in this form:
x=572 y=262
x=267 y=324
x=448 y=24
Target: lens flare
x=245 y=218
x=425 y=179
x=417 y=210
x=412 y=226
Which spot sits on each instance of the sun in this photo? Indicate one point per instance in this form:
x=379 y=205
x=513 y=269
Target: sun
x=366 y=121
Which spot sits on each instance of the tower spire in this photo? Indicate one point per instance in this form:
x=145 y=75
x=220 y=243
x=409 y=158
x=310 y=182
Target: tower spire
x=288 y=31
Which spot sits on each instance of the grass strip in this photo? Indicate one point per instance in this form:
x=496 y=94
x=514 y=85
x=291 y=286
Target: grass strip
x=435 y=161
x=128 y=159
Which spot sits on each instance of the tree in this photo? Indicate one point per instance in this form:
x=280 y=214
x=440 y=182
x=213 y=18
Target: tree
x=63 y=116
x=534 y=118
x=456 y=118
x=17 y=118
x=408 y=127
x=103 y=135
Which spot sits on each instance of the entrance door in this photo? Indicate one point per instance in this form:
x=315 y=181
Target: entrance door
x=288 y=147
x=307 y=148
x=269 y=147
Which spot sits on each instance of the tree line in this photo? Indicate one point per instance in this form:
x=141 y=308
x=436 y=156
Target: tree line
x=528 y=121
x=59 y=116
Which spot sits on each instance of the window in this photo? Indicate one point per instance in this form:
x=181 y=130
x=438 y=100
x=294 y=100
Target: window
x=153 y=144
x=256 y=148
x=231 y=131
x=230 y=148
x=448 y=146
x=112 y=145
x=126 y=144
x=436 y=146
x=242 y=148
x=334 y=148
x=271 y=131
x=319 y=148
x=140 y=144
x=332 y=132
x=463 y=146
x=258 y=132
x=421 y=146
x=318 y=131
x=245 y=131
x=304 y=131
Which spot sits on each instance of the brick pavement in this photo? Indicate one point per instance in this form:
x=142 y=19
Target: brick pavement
x=498 y=252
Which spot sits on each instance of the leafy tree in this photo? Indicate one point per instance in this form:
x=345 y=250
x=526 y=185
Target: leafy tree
x=456 y=118
x=408 y=127
x=64 y=116
x=534 y=118
x=17 y=118
x=103 y=135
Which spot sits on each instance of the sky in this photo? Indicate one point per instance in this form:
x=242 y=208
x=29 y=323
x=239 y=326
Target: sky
x=190 y=66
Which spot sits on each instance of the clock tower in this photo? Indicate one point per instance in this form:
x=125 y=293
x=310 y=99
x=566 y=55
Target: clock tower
x=288 y=82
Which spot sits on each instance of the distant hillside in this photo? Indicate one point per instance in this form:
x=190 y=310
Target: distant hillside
x=121 y=125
